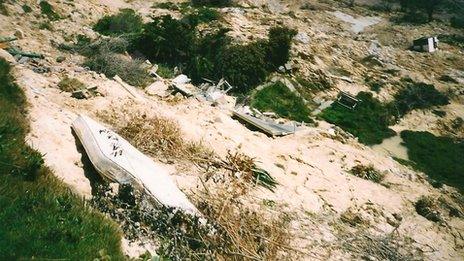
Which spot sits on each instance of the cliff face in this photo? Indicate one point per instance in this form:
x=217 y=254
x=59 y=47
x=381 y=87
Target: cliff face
x=334 y=214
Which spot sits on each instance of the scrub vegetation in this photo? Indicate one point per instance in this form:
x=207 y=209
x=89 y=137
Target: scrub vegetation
x=281 y=100
x=40 y=217
x=368 y=121
x=439 y=157
x=213 y=55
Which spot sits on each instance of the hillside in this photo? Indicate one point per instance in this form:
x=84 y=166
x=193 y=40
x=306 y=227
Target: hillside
x=382 y=181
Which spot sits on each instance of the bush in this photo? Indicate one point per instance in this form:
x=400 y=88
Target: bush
x=427 y=207
x=281 y=100
x=368 y=121
x=127 y=21
x=202 y=15
x=26 y=8
x=457 y=22
x=3 y=9
x=417 y=96
x=47 y=9
x=217 y=3
x=243 y=66
x=166 y=40
x=70 y=84
x=112 y=64
x=40 y=217
x=439 y=157
x=279 y=44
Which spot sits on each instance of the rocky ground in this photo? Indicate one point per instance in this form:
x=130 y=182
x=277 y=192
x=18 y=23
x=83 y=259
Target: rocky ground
x=335 y=215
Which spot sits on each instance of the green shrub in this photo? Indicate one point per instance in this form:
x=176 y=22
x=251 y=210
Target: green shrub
x=167 y=5
x=417 y=96
x=127 y=21
x=130 y=70
x=452 y=39
x=166 y=40
x=47 y=9
x=46 y=25
x=70 y=84
x=281 y=100
x=165 y=71
x=439 y=157
x=279 y=44
x=368 y=121
x=243 y=66
x=26 y=8
x=40 y=217
x=86 y=47
x=202 y=15
x=218 y=3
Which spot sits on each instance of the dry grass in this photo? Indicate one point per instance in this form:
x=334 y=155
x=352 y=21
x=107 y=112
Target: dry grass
x=156 y=135
x=368 y=173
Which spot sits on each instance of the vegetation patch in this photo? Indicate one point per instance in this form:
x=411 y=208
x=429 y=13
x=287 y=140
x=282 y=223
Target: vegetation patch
x=428 y=207
x=216 y=3
x=368 y=173
x=439 y=157
x=281 y=100
x=47 y=9
x=130 y=70
x=417 y=96
x=127 y=21
x=3 y=9
x=41 y=217
x=368 y=121
x=26 y=8
x=70 y=84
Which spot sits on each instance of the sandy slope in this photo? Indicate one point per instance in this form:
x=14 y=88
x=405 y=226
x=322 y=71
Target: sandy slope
x=310 y=166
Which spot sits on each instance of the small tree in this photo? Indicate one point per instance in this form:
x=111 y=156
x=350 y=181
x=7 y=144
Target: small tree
x=413 y=6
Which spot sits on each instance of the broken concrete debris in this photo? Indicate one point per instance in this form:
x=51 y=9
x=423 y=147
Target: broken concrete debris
x=118 y=161
x=263 y=123
x=85 y=93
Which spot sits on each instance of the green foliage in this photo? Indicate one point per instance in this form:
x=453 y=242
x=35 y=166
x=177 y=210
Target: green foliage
x=457 y=22
x=439 y=157
x=427 y=207
x=217 y=3
x=279 y=44
x=112 y=64
x=416 y=8
x=46 y=25
x=127 y=21
x=453 y=39
x=47 y=9
x=279 y=99
x=26 y=8
x=40 y=217
x=70 y=84
x=166 y=40
x=3 y=9
x=167 y=5
x=368 y=121
x=243 y=66
x=201 y=15
x=417 y=96
x=165 y=71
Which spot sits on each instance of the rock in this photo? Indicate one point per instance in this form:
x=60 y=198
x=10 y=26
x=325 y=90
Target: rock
x=302 y=37
x=19 y=34
x=23 y=60
x=114 y=187
x=181 y=79
x=7 y=56
x=158 y=88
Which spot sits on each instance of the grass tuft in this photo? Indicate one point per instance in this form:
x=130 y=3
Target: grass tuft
x=368 y=173
x=70 y=84
x=47 y=9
